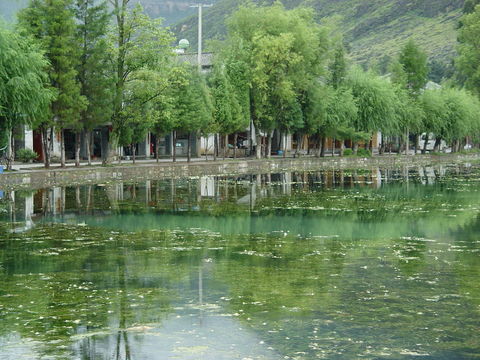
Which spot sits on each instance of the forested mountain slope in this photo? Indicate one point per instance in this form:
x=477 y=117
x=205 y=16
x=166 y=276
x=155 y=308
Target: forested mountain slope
x=171 y=10
x=372 y=28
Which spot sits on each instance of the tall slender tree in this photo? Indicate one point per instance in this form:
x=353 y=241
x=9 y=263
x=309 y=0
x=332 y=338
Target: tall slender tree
x=52 y=22
x=468 y=61
x=193 y=107
x=412 y=75
x=137 y=42
x=94 y=70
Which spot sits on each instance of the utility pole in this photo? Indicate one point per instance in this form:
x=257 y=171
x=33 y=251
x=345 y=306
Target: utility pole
x=199 y=54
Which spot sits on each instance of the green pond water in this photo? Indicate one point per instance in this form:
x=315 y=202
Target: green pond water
x=378 y=264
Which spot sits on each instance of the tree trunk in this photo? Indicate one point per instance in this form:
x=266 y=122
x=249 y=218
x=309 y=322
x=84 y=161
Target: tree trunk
x=78 y=139
x=45 y=147
x=425 y=144
x=174 y=148
x=415 y=147
x=323 y=146
x=225 y=146
x=342 y=147
x=333 y=147
x=112 y=149
x=355 y=147
x=235 y=138
x=119 y=154
x=206 y=148
x=88 y=145
x=381 y=151
x=258 y=148
x=438 y=142
x=215 y=147
x=10 y=147
x=62 y=148
x=78 y=200
x=134 y=153
x=285 y=139
x=157 y=148
x=407 y=141
x=269 y=145
x=189 y=147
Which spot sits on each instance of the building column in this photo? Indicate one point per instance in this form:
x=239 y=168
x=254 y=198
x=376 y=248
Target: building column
x=28 y=138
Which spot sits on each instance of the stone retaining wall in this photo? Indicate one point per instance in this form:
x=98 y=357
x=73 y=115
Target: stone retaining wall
x=36 y=179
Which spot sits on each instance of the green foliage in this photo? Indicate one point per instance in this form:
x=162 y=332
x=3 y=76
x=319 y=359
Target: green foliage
x=451 y=114
x=137 y=44
x=469 y=6
x=24 y=93
x=286 y=51
x=94 y=68
x=364 y=153
x=376 y=100
x=461 y=117
x=342 y=112
x=24 y=96
x=226 y=108
x=52 y=24
x=440 y=70
x=468 y=61
x=338 y=67
x=414 y=64
x=26 y=155
x=433 y=106
x=409 y=113
x=348 y=152
x=193 y=106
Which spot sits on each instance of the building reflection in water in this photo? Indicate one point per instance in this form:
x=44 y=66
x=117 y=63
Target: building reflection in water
x=64 y=204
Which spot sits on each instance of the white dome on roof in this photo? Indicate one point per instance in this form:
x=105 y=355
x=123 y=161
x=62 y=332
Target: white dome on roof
x=183 y=44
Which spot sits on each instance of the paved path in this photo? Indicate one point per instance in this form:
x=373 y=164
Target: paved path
x=40 y=166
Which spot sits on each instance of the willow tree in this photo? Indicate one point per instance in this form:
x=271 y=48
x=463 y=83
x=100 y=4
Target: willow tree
x=137 y=42
x=52 y=23
x=376 y=99
x=286 y=51
x=24 y=92
x=409 y=116
x=435 y=119
x=462 y=111
x=341 y=112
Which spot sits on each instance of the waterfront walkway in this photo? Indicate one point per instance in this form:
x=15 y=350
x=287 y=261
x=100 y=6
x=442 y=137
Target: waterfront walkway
x=70 y=164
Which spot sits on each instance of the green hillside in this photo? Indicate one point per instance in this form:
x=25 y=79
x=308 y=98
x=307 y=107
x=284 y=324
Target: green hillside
x=172 y=11
x=373 y=28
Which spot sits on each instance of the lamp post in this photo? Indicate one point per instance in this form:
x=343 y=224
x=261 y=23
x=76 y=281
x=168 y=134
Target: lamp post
x=199 y=54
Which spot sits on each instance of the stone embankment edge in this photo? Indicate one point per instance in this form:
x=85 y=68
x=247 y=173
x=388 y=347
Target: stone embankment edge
x=36 y=179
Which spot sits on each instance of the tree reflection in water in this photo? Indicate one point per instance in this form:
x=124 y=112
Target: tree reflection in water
x=333 y=263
